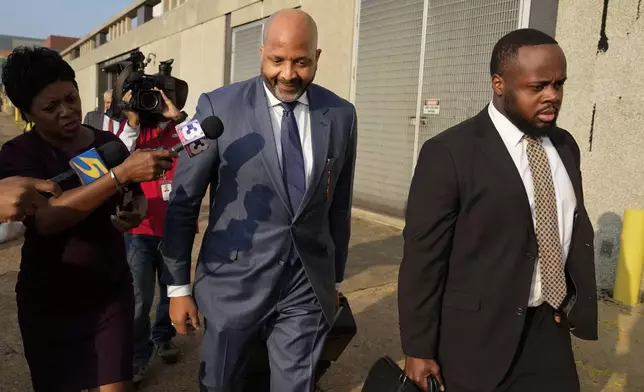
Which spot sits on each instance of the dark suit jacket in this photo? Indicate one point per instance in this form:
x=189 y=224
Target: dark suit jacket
x=252 y=230
x=470 y=251
x=95 y=119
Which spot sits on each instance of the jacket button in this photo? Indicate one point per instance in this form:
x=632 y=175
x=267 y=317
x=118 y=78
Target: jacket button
x=520 y=312
x=281 y=262
x=529 y=256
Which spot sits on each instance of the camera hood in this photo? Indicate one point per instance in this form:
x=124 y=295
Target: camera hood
x=175 y=89
x=117 y=94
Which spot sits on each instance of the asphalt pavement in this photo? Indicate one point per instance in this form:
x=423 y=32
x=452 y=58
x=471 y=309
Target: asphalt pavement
x=612 y=364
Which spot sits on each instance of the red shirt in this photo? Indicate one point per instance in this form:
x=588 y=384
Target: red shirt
x=154 y=222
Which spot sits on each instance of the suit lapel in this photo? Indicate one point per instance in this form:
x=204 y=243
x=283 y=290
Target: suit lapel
x=497 y=153
x=261 y=123
x=320 y=134
x=558 y=140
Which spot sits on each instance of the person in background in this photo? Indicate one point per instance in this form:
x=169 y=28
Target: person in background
x=21 y=197
x=74 y=290
x=98 y=118
x=498 y=264
x=143 y=242
x=122 y=129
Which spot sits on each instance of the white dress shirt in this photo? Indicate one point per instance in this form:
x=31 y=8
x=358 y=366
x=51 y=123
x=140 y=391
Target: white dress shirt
x=129 y=134
x=303 y=119
x=565 y=193
x=276 y=111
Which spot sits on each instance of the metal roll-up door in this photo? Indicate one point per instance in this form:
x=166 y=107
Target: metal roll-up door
x=403 y=98
x=460 y=39
x=385 y=99
x=245 y=59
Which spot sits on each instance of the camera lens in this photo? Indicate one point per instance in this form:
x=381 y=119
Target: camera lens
x=148 y=100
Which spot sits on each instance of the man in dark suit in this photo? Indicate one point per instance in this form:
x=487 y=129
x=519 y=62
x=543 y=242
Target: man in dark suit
x=498 y=264
x=281 y=179
x=98 y=119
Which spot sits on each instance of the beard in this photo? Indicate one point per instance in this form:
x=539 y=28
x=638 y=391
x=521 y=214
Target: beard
x=298 y=83
x=527 y=126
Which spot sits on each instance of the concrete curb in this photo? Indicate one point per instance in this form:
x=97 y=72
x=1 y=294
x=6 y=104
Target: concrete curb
x=396 y=223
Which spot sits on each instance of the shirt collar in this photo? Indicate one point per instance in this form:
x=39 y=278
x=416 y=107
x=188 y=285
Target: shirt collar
x=510 y=134
x=273 y=101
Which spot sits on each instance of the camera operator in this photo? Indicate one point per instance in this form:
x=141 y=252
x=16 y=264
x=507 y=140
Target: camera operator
x=144 y=257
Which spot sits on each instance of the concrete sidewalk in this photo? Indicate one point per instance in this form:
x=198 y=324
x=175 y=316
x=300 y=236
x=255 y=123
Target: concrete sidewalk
x=612 y=364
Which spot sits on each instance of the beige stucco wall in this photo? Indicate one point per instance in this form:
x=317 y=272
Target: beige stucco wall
x=86 y=79
x=198 y=54
x=335 y=19
x=194 y=35
x=613 y=82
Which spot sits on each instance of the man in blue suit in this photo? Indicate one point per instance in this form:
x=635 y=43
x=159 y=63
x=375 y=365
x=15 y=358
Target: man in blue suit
x=281 y=179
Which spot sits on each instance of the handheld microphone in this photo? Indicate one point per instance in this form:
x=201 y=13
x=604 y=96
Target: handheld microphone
x=192 y=135
x=94 y=163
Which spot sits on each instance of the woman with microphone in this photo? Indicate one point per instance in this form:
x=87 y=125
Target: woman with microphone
x=74 y=290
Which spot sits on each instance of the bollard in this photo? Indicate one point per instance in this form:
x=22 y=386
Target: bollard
x=628 y=279
x=17 y=115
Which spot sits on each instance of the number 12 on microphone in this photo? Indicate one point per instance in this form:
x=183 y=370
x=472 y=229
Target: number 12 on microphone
x=88 y=166
x=190 y=131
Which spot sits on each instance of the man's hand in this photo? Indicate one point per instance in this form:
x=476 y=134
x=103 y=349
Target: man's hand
x=183 y=309
x=418 y=370
x=170 y=110
x=19 y=197
x=127 y=220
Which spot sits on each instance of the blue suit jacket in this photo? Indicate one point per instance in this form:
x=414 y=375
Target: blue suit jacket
x=251 y=228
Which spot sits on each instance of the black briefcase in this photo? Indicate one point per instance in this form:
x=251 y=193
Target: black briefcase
x=257 y=375
x=386 y=376
x=343 y=330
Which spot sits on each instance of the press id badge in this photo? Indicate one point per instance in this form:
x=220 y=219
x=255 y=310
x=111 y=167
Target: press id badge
x=166 y=188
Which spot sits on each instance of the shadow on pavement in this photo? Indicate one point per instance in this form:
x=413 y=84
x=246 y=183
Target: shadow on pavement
x=614 y=363
x=370 y=286
x=607 y=242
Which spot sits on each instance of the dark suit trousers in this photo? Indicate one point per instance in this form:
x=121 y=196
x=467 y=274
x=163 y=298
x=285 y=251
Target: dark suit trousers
x=294 y=331
x=544 y=360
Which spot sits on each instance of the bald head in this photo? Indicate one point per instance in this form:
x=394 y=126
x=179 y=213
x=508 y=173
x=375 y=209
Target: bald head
x=289 y=53
x=289 y=23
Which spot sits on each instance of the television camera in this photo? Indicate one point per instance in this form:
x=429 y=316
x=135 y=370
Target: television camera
x=144 y=98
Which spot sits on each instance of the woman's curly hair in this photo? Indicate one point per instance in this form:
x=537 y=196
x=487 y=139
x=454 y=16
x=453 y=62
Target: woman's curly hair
x=28 y=71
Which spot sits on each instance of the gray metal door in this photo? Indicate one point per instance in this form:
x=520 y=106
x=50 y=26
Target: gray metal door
x=385 y=98
x=459 y=42
x=245 y=60
x=403 y=98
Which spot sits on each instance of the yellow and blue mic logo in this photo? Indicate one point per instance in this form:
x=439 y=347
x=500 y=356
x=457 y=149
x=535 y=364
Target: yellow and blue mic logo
x=88 y=166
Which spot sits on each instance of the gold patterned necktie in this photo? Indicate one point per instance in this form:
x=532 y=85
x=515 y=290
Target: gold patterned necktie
x=553 y=279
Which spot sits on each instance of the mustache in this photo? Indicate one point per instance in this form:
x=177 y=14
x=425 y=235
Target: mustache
x=549 y=110
x=292 y=82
